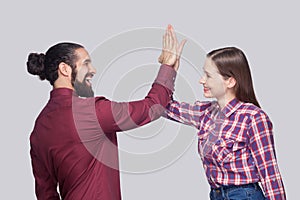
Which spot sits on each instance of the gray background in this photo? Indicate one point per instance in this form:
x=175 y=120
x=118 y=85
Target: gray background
x=266 y=30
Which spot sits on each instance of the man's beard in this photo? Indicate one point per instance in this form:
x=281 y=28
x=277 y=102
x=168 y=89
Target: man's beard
x=82 y=89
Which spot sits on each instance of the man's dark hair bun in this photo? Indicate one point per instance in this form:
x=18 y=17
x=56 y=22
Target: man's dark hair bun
x=35 y=65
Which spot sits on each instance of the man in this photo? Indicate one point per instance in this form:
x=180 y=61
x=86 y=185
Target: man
x=74 y=142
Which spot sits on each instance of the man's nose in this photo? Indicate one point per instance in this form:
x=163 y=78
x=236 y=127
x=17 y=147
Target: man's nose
x=93 y=69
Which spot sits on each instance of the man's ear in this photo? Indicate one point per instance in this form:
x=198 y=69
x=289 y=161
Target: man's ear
x=65 y=69
x=231 y=82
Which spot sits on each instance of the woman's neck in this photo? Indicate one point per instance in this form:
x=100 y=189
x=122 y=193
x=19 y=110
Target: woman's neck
x=225 y=100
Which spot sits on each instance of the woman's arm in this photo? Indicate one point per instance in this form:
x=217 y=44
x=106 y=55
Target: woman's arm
x=263 y=151
x=190 y=114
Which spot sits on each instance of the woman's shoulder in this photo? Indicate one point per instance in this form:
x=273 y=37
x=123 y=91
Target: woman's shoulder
x=252 y=110
x=206 y=105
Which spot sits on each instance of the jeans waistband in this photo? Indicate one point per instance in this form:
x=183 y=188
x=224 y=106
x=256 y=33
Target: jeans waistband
x=228 y=187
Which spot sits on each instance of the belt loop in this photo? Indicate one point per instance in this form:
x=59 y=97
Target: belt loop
x=223 y=192
x=256 y=186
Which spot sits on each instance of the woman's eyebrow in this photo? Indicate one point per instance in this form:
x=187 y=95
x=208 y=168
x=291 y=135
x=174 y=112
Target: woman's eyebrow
x=205 y=71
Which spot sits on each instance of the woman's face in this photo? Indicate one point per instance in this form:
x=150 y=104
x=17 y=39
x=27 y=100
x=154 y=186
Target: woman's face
x=214 y=85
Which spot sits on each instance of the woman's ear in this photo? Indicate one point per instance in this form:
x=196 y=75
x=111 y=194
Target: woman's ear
x=231 y=82
x=64 y=69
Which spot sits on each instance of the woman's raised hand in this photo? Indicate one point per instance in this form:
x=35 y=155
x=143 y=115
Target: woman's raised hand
x=171 y=51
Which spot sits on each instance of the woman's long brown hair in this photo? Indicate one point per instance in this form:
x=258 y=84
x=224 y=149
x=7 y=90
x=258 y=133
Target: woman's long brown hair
x=232 y=62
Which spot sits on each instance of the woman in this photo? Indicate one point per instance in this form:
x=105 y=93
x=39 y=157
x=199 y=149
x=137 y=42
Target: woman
x=235 y=137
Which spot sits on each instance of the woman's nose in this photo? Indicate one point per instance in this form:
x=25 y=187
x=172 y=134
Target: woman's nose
x=202 y=80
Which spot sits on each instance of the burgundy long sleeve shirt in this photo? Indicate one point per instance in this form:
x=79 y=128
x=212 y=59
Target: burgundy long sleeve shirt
x=74 y=142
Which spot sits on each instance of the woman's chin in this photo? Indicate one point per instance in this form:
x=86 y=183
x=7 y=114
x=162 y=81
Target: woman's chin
x=207 y=95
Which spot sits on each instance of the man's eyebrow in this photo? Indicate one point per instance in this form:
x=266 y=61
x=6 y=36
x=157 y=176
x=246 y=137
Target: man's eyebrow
x=87 y=60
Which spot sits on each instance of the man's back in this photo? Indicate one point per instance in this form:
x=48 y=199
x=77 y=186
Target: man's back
x=60 y=154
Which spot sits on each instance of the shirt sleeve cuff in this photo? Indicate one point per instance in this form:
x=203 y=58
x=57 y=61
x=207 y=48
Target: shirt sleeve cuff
x=166 y=77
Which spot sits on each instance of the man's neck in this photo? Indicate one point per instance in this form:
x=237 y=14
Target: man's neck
x=63 y=84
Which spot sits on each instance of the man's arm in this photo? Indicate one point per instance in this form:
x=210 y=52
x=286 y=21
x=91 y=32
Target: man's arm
x=45 y=186
x=121 y=116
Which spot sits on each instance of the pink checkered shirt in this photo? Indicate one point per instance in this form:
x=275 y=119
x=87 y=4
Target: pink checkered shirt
x=236 y=144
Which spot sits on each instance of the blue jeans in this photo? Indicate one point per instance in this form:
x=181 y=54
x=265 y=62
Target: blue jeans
x=241 y=192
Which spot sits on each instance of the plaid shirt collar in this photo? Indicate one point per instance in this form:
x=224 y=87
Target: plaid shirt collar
x=231 y=107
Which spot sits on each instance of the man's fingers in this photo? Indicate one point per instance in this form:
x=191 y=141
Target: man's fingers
x=160 y=58
x=171 y=47
x=182 y=43
x=173 y=35
x=169 y=40
x=172 y=39
x=165 y=40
